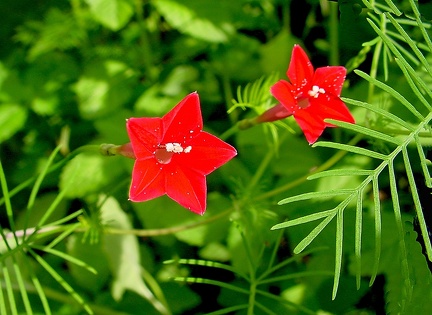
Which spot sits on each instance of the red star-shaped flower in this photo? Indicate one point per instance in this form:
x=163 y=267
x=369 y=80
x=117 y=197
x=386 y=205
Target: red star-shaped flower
x=312 y=96
x=173 y=156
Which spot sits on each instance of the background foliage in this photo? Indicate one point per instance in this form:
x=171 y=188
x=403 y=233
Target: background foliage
x=357 y=240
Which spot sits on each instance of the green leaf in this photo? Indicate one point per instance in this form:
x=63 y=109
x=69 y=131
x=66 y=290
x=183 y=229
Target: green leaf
x=123 y=255
x=366 y=131
x=12 y=119
x=351 y=148
x=113 y=14
x=205 y=22
x=317 y=194
x=103 y=88
x=380 y=111
x=88 y=173
x=276 y=53
x=392 y=92
x=92 y=255
x=304 y=219
x=174 y=215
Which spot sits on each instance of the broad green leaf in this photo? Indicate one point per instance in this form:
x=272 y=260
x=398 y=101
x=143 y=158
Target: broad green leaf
x=12 y=119
x=94 y=256
x=113 y=14
x=112 y=128
x=158 y=99
x=49 y=77
x=89 y=173
x=206 y=22
x=122 y=251
x=277 y=52
x=180 y=297
x=192 y=230
x=103 y=88
x=215 y=251
x=59 y=31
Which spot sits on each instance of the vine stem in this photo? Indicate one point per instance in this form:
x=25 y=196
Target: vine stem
x=171 y=230
x=334 y=33
x=231 y=131
x=329 y=163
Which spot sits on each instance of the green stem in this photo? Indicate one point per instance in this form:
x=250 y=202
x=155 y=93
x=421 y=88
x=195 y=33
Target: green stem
x=231 y=131
x=226 y=85
x=260 y=171
x=144 y=40
x=375 y=63
x=286 y=15
x=334 y=33
x=329 y=163
x=114 y=231
x=252 y=295
x=54 y=294
x=58 y=165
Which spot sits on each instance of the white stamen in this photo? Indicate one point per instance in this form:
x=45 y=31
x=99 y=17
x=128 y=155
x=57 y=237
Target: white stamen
x=316 y=91
x=177 y=148
x=169 y=147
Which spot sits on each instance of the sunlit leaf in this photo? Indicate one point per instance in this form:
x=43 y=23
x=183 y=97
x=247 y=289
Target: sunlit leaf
x=114 y=14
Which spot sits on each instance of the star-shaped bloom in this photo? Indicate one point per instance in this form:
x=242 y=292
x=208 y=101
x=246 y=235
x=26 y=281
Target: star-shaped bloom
x=174 y=155
x=312 y=96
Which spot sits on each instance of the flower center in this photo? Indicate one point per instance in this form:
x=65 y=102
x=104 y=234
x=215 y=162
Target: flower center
x=316 y=91
x=165 y=152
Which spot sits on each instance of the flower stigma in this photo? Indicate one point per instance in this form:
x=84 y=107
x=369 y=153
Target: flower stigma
x=316 y=91
x=165 y=152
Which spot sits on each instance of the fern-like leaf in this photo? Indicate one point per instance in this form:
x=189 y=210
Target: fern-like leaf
x=407 y=134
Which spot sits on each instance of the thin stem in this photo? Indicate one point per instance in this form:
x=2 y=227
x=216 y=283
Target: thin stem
x=23 y=185
x=114 y=231
x=329 y=163
x=252 y=295
x=374 y=65
x=231 y=131
x=144 y=40
x=261 y=169
x=334 y=33
x=54 y=294
x=228 y=94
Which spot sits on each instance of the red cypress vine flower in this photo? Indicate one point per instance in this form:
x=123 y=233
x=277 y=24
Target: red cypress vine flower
x=173 y=156
x=312 y=96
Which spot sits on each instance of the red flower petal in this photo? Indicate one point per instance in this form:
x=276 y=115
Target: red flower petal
x=145 y=135
x=330 y=78
x=148 y=181
x=330 y=107
x=207 y=154
x=187 y=187
x=311 y=124
x=281 y=90
x=183 y=121
x=300 y=71
x=311 y=119
x=174 y=155
x=312 y=96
